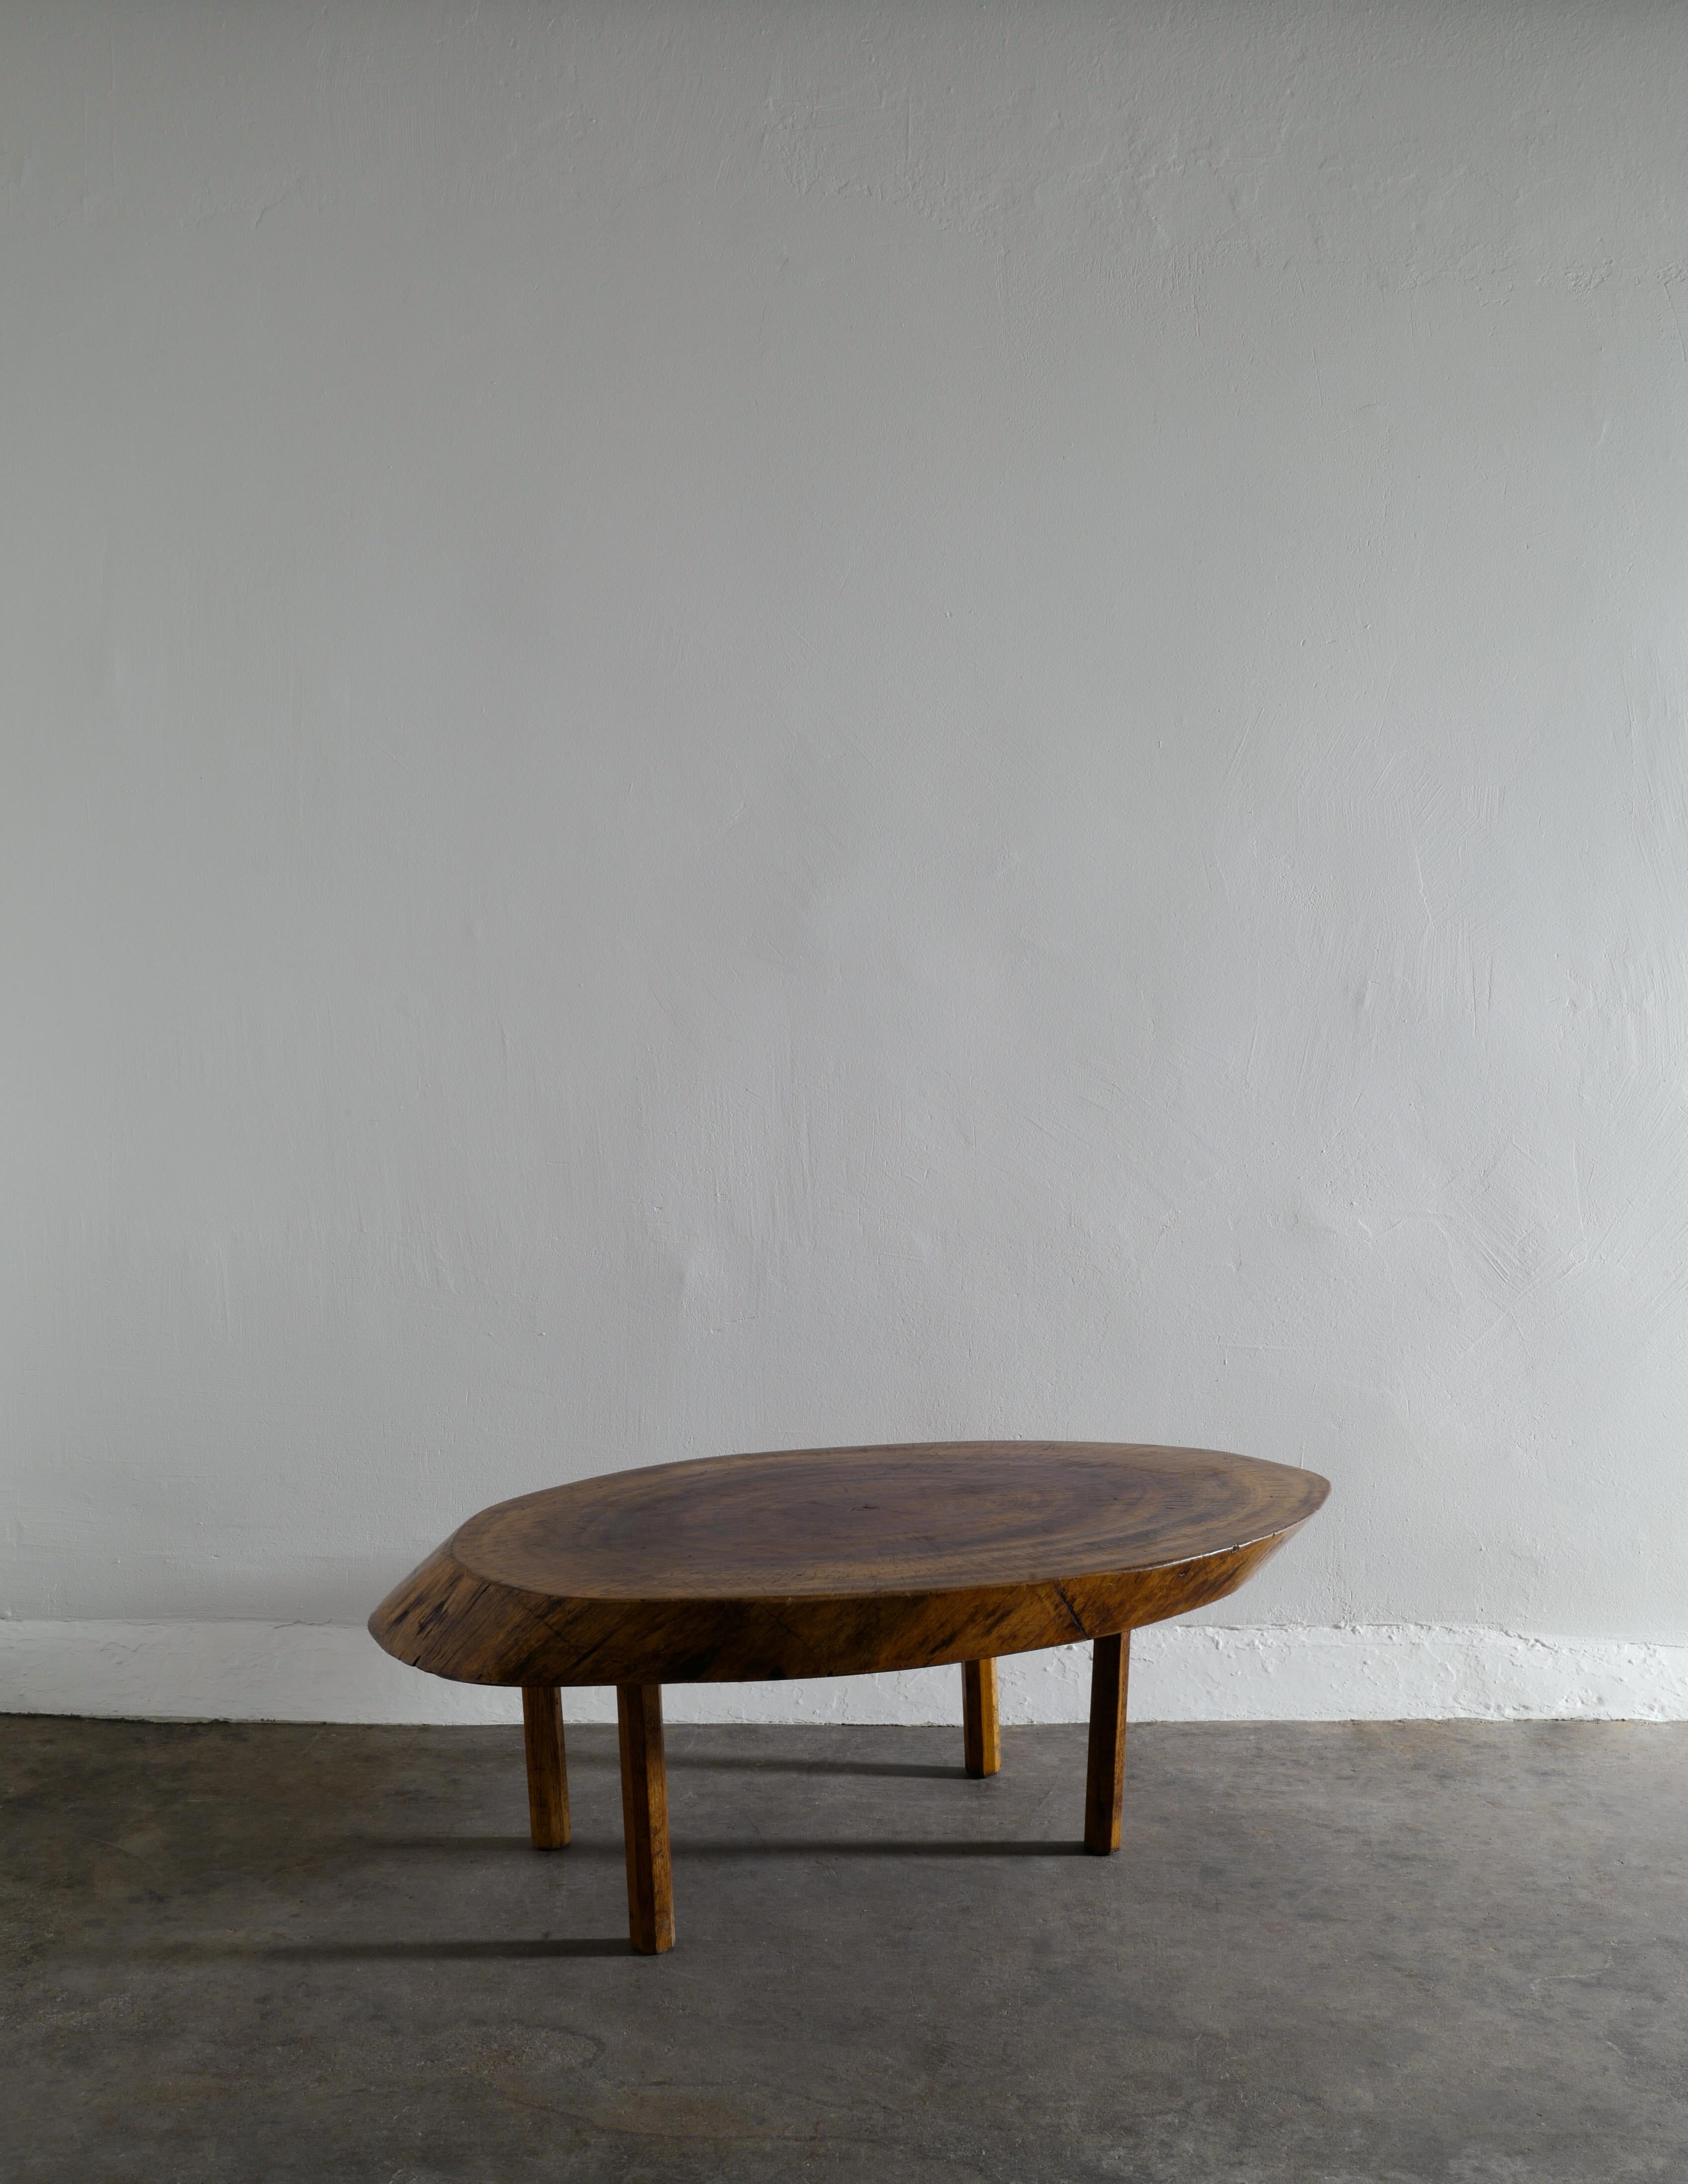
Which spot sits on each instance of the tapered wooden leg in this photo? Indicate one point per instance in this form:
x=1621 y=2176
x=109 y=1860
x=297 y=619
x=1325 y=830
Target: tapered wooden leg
x=548 y=1772
x=644 y=1817
x=1105 y=1778
x=981 y=1741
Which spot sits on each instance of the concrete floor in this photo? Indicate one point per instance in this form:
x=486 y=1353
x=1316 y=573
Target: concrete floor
x=1339 y=1955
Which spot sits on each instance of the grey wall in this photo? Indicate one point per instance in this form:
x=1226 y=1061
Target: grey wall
x=727 y=726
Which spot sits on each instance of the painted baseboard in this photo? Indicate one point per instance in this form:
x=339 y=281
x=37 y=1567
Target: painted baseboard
x=190 y=1671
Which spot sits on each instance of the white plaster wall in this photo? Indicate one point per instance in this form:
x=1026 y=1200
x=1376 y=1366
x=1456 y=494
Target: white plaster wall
x=729 y=725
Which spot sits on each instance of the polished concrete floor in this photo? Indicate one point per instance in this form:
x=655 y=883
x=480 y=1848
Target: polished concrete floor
x=1334 y=1955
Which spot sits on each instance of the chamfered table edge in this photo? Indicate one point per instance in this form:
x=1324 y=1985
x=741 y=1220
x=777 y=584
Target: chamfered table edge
x=450 y=1622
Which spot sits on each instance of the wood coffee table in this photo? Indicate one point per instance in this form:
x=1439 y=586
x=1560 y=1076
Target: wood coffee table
x=832 y=1562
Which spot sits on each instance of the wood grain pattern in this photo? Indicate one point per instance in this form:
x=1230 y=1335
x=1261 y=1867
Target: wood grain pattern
x=644 y=1818
x=982 y=1741
x=548 y=1772
x=1105 y=1768
x=839 y=1562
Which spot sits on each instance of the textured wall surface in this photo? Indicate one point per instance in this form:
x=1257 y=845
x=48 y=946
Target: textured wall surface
x=733 y=726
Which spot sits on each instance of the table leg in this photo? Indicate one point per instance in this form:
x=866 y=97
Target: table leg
x=644 y=1817
x=548 y=1772
x=981 y=1741
x=1105 y=1776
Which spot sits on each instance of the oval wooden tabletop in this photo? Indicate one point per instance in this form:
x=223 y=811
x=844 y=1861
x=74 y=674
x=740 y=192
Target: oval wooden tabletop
x=838 y=1561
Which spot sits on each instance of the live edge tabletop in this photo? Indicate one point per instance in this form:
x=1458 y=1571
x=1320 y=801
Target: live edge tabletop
x=831 y=1562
